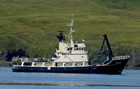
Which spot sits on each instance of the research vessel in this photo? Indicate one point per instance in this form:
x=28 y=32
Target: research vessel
x=72 y=57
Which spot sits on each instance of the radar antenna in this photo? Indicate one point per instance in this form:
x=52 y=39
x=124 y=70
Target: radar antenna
x=61 y=36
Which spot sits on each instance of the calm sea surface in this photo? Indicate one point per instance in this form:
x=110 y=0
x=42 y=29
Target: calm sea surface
x=130 y=79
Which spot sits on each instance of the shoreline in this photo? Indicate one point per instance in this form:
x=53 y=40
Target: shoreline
x=5 y=64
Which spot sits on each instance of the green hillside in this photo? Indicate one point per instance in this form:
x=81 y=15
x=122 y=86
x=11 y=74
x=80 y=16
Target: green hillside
x=32 y=25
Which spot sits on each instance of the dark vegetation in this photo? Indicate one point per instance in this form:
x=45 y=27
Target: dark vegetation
x=28 y=28
x=15 y=53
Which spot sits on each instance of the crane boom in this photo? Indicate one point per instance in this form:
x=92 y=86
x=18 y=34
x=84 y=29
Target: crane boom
x=109 y=48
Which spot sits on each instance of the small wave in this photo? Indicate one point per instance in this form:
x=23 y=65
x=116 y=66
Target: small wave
x=48 y=84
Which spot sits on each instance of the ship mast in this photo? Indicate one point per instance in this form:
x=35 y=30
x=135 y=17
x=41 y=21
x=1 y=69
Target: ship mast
x=70 y=37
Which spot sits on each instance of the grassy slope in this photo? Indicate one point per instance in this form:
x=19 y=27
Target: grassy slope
x=33 y=24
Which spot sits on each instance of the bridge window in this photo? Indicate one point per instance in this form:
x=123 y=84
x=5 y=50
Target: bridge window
x=75 y=45
x=69 y=49
x=81 y=48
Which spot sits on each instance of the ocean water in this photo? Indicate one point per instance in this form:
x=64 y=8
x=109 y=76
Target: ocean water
x=129 y=79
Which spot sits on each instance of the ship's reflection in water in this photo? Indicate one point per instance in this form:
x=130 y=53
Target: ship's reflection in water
x=130 y=79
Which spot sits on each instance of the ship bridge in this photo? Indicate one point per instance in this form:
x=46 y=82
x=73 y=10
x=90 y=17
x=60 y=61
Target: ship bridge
x=81 y=45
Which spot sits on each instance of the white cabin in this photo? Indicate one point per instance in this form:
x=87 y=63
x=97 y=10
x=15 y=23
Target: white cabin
x=73 y=54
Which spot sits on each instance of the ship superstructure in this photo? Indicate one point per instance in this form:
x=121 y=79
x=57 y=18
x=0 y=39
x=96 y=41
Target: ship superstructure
x=70 y=54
